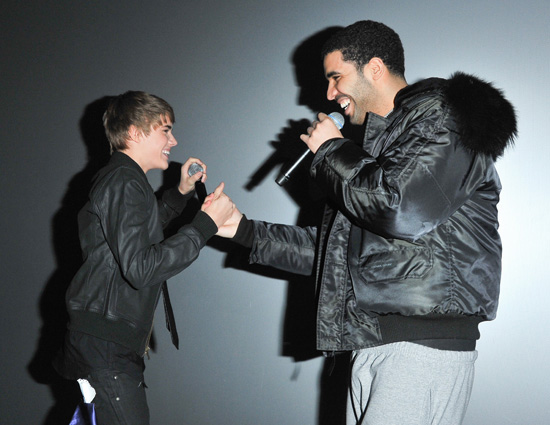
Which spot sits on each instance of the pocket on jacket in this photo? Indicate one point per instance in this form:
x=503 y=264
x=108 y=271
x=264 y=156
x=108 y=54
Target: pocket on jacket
x=406 y=263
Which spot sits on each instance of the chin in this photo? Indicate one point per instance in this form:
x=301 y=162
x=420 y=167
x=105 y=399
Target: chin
x=161 y=166
x=357 y=120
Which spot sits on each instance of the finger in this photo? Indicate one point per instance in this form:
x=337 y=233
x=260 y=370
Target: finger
x=197 y=176
x=219 y=190
x=203 y=176
x=191 y=161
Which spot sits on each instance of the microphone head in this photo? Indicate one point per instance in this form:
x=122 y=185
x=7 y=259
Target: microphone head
x=194 y=168
x=337 y=119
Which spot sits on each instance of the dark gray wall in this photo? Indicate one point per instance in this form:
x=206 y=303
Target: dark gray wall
x=240 y=80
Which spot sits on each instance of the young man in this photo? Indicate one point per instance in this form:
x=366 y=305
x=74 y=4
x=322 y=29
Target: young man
x=112 y=298
x=408 y=256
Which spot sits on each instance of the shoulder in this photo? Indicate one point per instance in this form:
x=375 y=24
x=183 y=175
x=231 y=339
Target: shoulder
x=119 y=181
x=486 y=119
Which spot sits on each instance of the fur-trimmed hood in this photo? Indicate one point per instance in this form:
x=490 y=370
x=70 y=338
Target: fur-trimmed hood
x=486 y=119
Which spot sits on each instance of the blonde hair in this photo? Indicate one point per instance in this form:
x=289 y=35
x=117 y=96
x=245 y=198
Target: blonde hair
x=143 y=110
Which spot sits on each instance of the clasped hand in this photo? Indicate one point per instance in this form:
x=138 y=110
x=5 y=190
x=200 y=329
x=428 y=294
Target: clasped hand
x=319 y=132
x=222 y=211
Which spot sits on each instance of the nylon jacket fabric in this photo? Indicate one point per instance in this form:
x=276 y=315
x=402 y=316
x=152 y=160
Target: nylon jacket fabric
x=409 y=245
x=114 y=294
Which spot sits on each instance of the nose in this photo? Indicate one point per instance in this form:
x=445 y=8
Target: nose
x=173 y=141
x=331 y=90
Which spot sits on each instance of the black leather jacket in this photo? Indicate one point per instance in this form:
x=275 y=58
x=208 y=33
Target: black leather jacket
x=408 y=248
x=114 y=294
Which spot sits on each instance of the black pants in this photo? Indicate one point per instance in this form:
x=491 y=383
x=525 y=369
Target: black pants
x=120 y=398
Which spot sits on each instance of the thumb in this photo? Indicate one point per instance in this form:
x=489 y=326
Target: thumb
x=218 y=191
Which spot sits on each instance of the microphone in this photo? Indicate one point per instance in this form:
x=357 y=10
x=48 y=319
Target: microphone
x=338 y=120
x=200 y=187
x=194 y=168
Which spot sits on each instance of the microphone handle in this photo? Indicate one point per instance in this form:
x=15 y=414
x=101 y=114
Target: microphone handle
x=200 y=187
x=338 y=120
x=283 y=178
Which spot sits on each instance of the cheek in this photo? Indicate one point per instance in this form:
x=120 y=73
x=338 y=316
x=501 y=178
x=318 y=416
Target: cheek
x=346 y=89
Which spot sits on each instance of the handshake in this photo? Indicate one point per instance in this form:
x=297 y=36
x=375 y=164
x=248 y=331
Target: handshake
x=219 y=207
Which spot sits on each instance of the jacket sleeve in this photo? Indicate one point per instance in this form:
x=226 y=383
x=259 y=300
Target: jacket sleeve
x=171 y=204
x=285 y=247
x=414 y=185
x=137 y=244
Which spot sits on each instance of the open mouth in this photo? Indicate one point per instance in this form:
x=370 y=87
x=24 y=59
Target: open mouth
x=344 y=104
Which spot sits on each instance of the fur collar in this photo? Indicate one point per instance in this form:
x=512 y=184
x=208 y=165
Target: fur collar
x=486 y=120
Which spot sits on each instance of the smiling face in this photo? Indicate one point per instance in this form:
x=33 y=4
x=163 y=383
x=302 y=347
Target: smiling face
x=348 y=87
x=153 y=150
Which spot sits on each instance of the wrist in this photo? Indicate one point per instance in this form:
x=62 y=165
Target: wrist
x=185 y=190
x=204 y=224
x=245 y=232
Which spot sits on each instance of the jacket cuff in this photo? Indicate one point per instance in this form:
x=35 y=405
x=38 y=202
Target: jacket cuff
x=205 y=225
x=175 y=199
x=245 y=233
x=326 y=148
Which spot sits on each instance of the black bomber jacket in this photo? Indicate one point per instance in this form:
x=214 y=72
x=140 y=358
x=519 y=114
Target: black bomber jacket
x=114 y=294
x=409 y=247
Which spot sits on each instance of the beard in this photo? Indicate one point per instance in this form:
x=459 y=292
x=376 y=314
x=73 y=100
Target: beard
x=360 y=95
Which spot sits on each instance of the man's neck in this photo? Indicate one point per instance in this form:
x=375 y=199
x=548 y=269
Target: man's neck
x=389 y=91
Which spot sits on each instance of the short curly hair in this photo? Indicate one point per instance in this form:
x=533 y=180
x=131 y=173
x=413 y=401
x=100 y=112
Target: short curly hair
x=364 y=40
x=137 y=108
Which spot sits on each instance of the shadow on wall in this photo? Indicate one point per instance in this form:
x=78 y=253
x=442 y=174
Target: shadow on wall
x=68 y=259
x=299 y=332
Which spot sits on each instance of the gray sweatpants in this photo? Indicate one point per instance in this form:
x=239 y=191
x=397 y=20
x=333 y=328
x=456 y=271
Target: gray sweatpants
x=409 y=384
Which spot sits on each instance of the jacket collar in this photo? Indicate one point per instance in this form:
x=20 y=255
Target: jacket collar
x=486 y=120
x=120 y=158
x=410 y=92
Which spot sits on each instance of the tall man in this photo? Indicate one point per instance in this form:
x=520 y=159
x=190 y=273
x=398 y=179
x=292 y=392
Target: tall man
x=408 y=255
x=112 y=299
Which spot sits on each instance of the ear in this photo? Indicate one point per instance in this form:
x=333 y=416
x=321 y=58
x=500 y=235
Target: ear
x=134 y=134
x=375 y=69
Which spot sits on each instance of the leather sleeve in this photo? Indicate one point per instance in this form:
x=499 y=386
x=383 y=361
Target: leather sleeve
x=171 y=204
x=285 y=247
x=132 y=229
x=414 y=185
